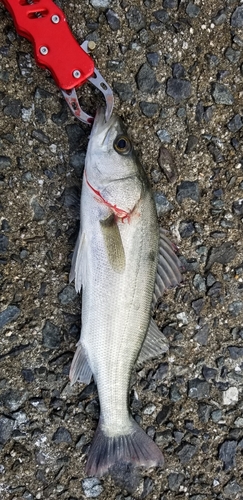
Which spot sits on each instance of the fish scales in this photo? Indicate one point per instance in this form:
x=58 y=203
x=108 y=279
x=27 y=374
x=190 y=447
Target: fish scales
x=115 y=262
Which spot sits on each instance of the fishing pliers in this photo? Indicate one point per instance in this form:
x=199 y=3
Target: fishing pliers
x=55 y=48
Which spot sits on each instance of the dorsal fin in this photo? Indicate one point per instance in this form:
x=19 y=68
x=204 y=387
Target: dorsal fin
x=169 y=268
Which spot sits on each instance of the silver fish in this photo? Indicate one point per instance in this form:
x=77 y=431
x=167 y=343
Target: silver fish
x=122 y=262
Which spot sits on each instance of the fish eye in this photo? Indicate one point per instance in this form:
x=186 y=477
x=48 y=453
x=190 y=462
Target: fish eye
x=122 y=145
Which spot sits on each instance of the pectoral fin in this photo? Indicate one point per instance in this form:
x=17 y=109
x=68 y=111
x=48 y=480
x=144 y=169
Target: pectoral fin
x=113 y=243
x=155 y=343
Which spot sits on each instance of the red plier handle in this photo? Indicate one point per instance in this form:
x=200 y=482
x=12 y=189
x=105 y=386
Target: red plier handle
x=55 y=48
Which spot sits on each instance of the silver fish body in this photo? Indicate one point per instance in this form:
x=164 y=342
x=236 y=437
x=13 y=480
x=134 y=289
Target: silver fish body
x=115 y=262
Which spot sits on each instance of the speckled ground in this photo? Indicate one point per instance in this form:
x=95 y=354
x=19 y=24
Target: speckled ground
x=190 y=401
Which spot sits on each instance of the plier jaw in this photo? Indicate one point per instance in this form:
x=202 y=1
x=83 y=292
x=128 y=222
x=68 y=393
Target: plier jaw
x=55 y=48
x=99 y=82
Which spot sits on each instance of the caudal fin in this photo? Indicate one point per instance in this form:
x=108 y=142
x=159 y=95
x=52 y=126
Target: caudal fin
x=136 y=448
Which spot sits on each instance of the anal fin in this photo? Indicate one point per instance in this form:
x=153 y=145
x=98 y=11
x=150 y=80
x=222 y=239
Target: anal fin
x=155 y=343
x=80 y=370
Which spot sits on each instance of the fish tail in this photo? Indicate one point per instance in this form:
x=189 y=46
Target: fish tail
x=136 y=448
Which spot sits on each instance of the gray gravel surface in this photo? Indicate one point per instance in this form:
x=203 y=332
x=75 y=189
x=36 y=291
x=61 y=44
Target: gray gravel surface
x=176 y=68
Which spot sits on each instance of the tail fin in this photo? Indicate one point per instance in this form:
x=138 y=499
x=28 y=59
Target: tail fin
x=136 y=448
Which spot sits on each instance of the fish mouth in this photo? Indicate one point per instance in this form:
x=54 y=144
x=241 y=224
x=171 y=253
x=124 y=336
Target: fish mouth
x=101 y=128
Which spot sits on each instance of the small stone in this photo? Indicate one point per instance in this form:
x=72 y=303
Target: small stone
x=113 y=20
x=153 y=58
x=100 y=4
x=232 y=55
x=146 y=79
x=238 y=207
x=181 y=112
x=41 y=93
x=175 y=394
x=135 y=19
x=6 y=428
x=148 y=487
x=13 y=109
x=188 y=189
x=162 y=204
x=149 y=409
x=198 y=305
x=221 y=94
x=204 y=412
x=212 y=60
x=27 y=495
x=235 y=308
x=223 y=254
x=199 y=283
x=58 y=118
x=232 y=488
x=237 y=17
x=40 y=136
x=164 y=414
x=38 y=403
x=175 y=480
x=186 y=229
x=215 y=290
x=235 y=352
x=161 y=372
x=164 y=136
x=216 y=153
x=178 y=89
x=201 y=337
x=75 y=134
x=216 y=416
x=115 y=65
x=192 y=144
x=186 y=452
x=219 y=18
x=92 y=487
x=238 y=422
x=13 y=398
x=178 y=71
x=209 y=373
x=4 y=241
x=39 y=212
x=230 y=396
x=5 y=162
x=167 y=164
x=192 y=10
x=9 y=314
x=27 y=375
x=123 y=90
x=40 y=116
x=67 y=295
x=62 y=435
x=149 y=109
x=161 y=15
x=24 y=63
x=227 y=451
x=198 y=389
x=170 y=4
x=51 y=335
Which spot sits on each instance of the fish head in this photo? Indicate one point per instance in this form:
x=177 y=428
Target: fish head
x=111 y=166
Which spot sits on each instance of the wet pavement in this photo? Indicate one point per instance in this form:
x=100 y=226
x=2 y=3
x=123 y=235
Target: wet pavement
x=177 y=72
